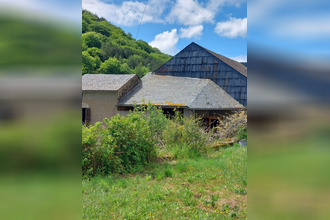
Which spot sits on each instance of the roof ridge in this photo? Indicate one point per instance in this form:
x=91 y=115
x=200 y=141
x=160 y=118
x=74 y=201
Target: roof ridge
x=202 y=89
x=130 y=91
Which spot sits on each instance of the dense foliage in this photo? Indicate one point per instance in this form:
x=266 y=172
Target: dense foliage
x=234 y=126
x=26 y=42
x=108 y=49
x=127 y=144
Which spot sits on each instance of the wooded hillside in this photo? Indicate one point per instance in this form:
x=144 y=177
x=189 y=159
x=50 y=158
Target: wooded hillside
x=107 y=49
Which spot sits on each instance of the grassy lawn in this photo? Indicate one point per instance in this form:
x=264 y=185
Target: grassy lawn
x=212 y=187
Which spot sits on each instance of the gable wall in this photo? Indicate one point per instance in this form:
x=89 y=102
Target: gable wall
x=102 y=104
x=195 y=62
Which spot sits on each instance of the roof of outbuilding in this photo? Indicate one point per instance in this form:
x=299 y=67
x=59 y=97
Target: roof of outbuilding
x=171 y=91
x=104 y=82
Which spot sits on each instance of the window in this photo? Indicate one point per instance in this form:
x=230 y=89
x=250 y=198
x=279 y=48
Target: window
x=211 y=122
x=86 y=116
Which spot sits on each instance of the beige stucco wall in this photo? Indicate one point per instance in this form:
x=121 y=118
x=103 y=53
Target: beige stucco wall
x=102 y=104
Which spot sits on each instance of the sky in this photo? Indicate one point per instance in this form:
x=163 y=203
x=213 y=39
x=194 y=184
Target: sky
x=294 y=28
x=171 y=25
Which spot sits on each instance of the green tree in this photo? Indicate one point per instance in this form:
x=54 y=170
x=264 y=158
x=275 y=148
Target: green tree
x=85 y=27
x=92 y=39
x=110 y=66
x=134 y=61
x=88 y=63
x=140 y=70
x=103 y=40
x=101 y=27
x=124 y=69
x=107 y=50
x=97 y=65
x=94 y=51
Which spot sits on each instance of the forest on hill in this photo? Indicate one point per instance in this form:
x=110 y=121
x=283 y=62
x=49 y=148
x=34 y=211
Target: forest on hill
x=27 y=43
x=107 y=49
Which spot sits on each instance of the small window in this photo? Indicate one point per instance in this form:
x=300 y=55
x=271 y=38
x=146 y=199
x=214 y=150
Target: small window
x=86 y=116
x=211 y=122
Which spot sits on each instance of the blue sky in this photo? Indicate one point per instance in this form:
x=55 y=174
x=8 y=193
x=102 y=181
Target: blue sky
x=296 y=28
x=170 y=25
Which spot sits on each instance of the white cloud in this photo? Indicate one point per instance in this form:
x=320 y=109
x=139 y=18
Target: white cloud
x=303 y=28
x=46 y=11
x=186 y=12
x=166 y=42
x=235 y=27
x=129 y=12
x=190 y=12
x=214 y=5
x=192 y=32
x=241 y=58
x=194 y=12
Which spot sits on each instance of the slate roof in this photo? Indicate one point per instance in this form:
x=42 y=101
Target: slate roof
x=105 y=82
x=172 y=91
x=232 y=63
x=196 y=61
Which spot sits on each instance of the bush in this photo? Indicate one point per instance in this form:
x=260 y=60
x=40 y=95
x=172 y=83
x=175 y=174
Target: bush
x=241 y=133
x=185 y=137
x=134 y=142
x=96 y=155
x=127 y=144
x=119 y=145
x=234 y=126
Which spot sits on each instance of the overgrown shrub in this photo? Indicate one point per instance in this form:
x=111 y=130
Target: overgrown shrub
x=98 y=149
x=135 y=145
x=185 y=137
x=119 y=145
x=127 y=144
x=241 y=133
x=233 y=126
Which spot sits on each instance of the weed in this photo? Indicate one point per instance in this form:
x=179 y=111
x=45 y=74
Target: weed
x=214 y=198
x=159 y=176
x=168 y=172
x=240 y=191
x=226 y=207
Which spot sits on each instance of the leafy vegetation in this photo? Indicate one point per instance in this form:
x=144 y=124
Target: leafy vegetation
x=233 y=126
x=127 y=144
x=208 y=187
x=108 y=49
x=150 y=166
x=25 y=43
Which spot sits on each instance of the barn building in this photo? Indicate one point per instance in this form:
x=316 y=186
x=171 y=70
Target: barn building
x=101 y=93
x=197 y=62
x=196 y=81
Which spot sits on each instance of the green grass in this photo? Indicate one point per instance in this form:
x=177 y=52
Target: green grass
x=212 y=187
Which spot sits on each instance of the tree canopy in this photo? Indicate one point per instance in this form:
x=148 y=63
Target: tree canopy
x=107 y=49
